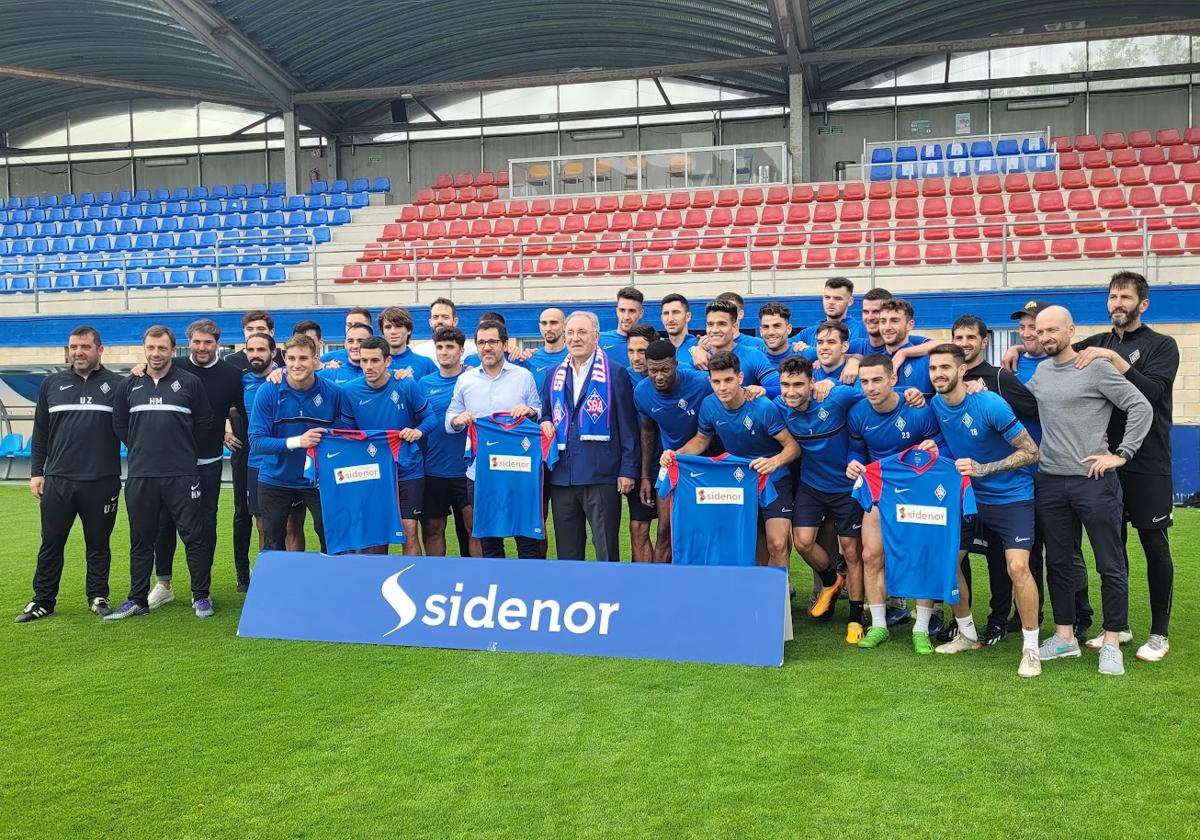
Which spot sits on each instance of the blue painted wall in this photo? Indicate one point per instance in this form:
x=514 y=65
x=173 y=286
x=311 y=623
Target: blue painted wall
x=1169 y=304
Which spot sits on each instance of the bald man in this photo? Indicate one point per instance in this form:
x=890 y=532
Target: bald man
x=1077 y=483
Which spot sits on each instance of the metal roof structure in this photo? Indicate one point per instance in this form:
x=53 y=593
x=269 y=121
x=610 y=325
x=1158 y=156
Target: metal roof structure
x=340 y=62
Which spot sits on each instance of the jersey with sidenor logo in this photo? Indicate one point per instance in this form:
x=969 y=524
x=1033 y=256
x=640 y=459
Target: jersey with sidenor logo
x=509 y=455
x=922 y=501
x=356 y=474
x=714 y=509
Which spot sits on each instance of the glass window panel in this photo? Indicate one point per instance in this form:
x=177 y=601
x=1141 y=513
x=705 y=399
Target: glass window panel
x=934 y=98
x=219 y=120
x=1149 y=81
x=1138 y=52
x=1017 y=62
x=48 y=132
x=969 y=67
x=518 y=103
x=163 y=119
x=1039 y=90
x=449 y=107
x=600 y=96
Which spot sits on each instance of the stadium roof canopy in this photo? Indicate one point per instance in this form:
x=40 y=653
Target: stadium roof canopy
x=340 y=62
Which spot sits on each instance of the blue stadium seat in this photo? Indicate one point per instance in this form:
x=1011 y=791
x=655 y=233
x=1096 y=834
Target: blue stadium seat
x=142 y=196
x=906 y=154
x=1008 y=146
x=239 y=190
x=206 y=257
x=129 y=226
x=931 y=151
x=192 y=208
x=321 y=235
x=360 y=185
x=122 y=242
x=33 y=201
x=147 y=225
x=274 y=255
x=253 y=205
x=906 y=171
x=272 y=203
x=82 y=245
x=137 y=261
x=102 y=243
x=208 y=239
x=164 y=241
x=180 y=194
x=10 y=445
x=227 y=275
x=27 y=449
x=39 y=246
x=18 y=246
x=987 y=166
x=85 y=281
x=359 y=199
x=317 y=217
x=49 y=200
x=74 y=213
x=88 y=227
x=13 y=203
x=250 y=275
x=339 y=186
x=37 y=214
x=219 y=191
x=109 y=280
x=295 y=235
x=43 y=283
x=382 y=185
x=87 y=198
x=318 y=188
x=1040 y=163
x=62 y=282
x=982 y=149
x=154 y=278
x=187 y=239
x=275 y=275
x=258 y=190
x=250 y=255
x=107 y=198
x=95 y=211
x=337 y=200
x=340 y=217
x=171 y=208
x=68 y=200
x=202 y=277
x=19 y=216
x=881 y=156
x=253 y=220
x=19 y=284
x=198 y=193
x=169 y=224
x=1034 y=145
x=190 y=223
x=179 y=278
x=296 y=255
x=161 y=194
x=295 y=202
x=317 y=201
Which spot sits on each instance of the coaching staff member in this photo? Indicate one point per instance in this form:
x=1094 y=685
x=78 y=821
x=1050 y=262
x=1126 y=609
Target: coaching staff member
x=223 y=385
x=161 y=416
x=587 y=403
x=287 y=418
x=1077 y=484
x=75 y=471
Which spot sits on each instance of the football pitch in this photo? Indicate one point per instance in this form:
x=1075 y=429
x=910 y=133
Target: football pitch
x=172 y=726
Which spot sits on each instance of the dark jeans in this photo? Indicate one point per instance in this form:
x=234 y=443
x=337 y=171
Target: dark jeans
x=95 y=503
x=526 y=548
x=243 y=522
x=210 y=495
x=145 y=500
x=578 y=507
x=1064 y=504
x=276 y=505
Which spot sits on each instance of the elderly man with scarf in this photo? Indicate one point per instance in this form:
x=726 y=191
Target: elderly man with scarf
x=587 y=402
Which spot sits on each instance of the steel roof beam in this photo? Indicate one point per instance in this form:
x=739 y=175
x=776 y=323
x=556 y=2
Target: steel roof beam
x=1032 y=39
x=81 y=80
x=226 y=40
x=801 y=20
x=730 y=65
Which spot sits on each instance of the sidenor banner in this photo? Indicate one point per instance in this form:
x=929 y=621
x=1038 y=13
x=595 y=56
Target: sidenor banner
x=719 y=614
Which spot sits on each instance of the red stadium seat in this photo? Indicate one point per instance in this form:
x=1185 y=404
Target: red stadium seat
x=484 y=179
x=907 y=189
x=1130 y=246
x=408 y=213
x=798 y=214
x=372 y=273
x=397 y=272
x=802 y=194
x=847 y=257
x=817 y=258
x=1168 y=137
x=562 y=207
x=527 y=226
x=1081 y=200
x=962 y=206
x=879 y=231
x=1186 y=218
x=907 y=231
x=424 y=196
x=351 y=273
x=466 y=195
x=670 y=220
x=720 y=217
x=772 y=214
x=934 y=208
x=1134 y=176
x=793 y=235
x=445 y=196
x=1124 y=157
x=960 y=185
x=777 y=195
x=728 y=198
x=585 y=243
x=828 y=192
x=495 y=209
x=851 y=211
x=489 y=246
x=571 y=267
x=738 y=237
x=573 y=224
x=1060 y=143
x=705 y=262
x=713 y=239
x=443 y=180
x=450 y=212
x=991 y=205
x=1045 y=181
x=474 y=210
x=503 y=227
x=932 y=187
x=988 y=185
x=654 y=202
x=392 y=233
x=1026 y=224
x=879 y=210
x=1098 y=247
x=994 y=226
x=907 y=255
x=535 y=246
x=435 y=230
x=849 y=234
x=549 y=225
x=1096 y=159
x=495 y=269
x=880 y=255
x=1141 y=138
x=1152 y=156
x=1020 y=203
x=539 y=207
x=1086 y=143
x=695 y=219
x=1163 y=174
x=1142 y=197
x=645 y=221
x=470 y=269
x=608 y=204
x=1058 y=224
x=1050 y=202
x=790 y=259
x=1074 y=181
x=1121 y=221
x=1016 y=182
x=762 y=260
x=906 y=208
x=999 y=251
x=1068 y=161
x=752 y=197
x=1103 y=178
x=621 y=222
x=766 y=237
x=937 y=253
x=430 y=212
x=733 y=261
x=1113 y=140
x=965 y=228
x=464 y=179
x=686 y=240
x=1192 y=135
x=1184 y=153
x=854 y=191
x=703 y=199
x=648 y=264
x=968 y=252
x=1064 y=249
x=510 y=246
x=746 y=217
x=489 y=193
x=560 y=244
x=1156 y=218
x=546 y=267
x=516 y=209
x=882 y=191
x=1192 y=241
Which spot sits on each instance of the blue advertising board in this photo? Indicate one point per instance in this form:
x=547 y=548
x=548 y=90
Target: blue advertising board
x=727 y=615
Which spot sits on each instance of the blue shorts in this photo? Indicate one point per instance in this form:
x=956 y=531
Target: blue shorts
x=781 y=508
x=412 y=497
x=1010 y=525
x=812 y=507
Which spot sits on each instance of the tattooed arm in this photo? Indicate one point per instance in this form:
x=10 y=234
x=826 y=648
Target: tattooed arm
x=1025 y=452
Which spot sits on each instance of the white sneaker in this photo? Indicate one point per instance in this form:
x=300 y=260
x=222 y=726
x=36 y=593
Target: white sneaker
x=1111 y=661
x=1155 y=649
x=1098 y=642
x=1031 y=664
x=959 y=644
x=160 y=595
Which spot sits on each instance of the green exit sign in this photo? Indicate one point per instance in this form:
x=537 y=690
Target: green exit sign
x=374 y=160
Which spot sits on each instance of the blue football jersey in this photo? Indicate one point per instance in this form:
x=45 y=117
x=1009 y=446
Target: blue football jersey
x=541 y=363
x=874 y=435
x=821 y=430
x=443 y=451
x=714 y=509
x=922 y=501
x=743 y=341
x=820 y=374
x=748 y=432
x=616 y=346
x=1026 y=365
x=676 y=412
x=417 y=365
x=250 y=386
x=399 y=404
x=509 y=455
x=756 y=369
x=683 y=353
x=342 y=374
x=858 y=332
x=914 y=373
x=981 y=428
x=775 y=359
x=355 y=472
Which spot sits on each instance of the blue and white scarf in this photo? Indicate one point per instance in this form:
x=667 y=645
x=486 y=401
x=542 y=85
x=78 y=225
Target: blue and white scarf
x=594 y=411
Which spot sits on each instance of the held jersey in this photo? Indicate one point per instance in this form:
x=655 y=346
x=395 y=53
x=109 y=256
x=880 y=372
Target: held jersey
x=677 y=411
x=714 y=509
x=356 y=476
x=823 y=436
x=922 y=501
x=874 y=435
x=509 y=455
x=982 y=428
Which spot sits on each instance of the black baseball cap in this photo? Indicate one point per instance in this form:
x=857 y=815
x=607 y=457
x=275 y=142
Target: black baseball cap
x=1033 y=307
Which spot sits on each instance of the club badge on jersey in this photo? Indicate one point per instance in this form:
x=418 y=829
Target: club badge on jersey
x=714 y=509
x=355 y=473
x=922 y=501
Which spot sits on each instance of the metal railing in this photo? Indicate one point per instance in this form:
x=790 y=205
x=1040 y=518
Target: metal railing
x=660 y=169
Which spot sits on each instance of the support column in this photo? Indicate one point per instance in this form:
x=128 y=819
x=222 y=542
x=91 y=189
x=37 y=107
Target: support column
x=333 y=167
x=796 y=127
x=291 y=155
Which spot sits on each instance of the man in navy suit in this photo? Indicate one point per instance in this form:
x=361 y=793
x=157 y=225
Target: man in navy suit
x=587 y=403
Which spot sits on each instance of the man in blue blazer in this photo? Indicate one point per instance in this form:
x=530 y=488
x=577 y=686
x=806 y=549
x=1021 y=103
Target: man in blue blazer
x=587 y=403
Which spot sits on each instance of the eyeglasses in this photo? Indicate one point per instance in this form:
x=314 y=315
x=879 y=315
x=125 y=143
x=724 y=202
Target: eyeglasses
x=488 y=342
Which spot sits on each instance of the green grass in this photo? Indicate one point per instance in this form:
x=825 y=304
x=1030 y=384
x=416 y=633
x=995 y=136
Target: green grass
x=170 y=726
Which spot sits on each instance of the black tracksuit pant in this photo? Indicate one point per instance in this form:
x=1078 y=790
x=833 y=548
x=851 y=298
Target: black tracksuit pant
x=210 y=495
x=527 y=548
x=1065 y=503
x=276 y=505
x=243 y=522
x=95 y=503
x=145 y=500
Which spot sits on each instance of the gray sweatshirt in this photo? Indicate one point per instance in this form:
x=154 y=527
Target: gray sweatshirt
x=1075 y=406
